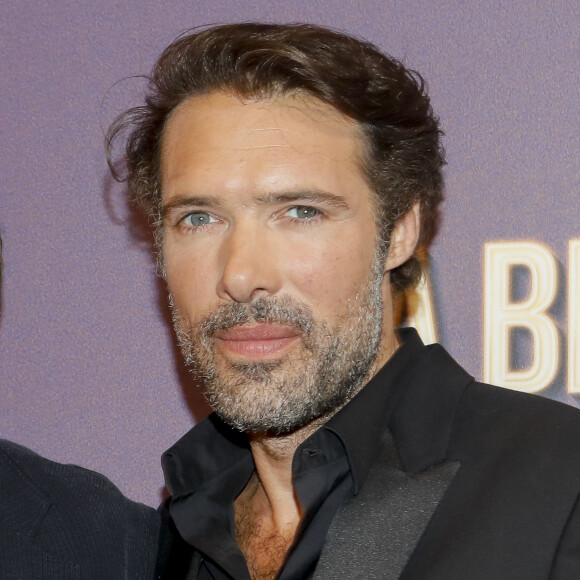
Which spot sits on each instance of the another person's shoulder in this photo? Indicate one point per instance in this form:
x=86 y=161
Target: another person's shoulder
x=71 y=515
x=61 y=481
x=24 y=462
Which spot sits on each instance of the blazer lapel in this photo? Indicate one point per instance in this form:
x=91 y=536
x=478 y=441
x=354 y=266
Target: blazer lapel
x=375 y=532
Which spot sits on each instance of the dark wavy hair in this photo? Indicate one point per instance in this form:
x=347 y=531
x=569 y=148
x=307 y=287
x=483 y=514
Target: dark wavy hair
x=403 y=157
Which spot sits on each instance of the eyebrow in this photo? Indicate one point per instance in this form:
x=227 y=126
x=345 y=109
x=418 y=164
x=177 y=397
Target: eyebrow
x=188 y=201
x=300 y=195
x=312 y=195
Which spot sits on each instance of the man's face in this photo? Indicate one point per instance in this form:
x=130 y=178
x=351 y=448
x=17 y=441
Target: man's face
x=270 y=253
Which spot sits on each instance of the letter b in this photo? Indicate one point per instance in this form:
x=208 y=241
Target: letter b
x=503 y=316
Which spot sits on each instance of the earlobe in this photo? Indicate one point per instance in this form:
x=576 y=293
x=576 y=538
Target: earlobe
x=404 y=238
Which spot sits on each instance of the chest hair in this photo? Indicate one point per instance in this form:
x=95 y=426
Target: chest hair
x=263 y=547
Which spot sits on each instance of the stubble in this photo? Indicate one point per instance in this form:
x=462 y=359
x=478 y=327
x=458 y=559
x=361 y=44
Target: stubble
x=314 y=380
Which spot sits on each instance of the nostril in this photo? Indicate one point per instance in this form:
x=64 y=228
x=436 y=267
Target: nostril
x=258 y=293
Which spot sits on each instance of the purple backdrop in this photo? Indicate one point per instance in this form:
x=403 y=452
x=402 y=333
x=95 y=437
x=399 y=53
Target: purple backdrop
x=90 y=374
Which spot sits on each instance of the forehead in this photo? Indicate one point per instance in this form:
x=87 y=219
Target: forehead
x=221 y=141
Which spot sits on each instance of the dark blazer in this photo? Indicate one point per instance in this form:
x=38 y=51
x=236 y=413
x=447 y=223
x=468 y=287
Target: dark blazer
x=65 y=522
x=473 y=483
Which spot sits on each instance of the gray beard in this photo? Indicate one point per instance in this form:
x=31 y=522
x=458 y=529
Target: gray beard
x=279 y=397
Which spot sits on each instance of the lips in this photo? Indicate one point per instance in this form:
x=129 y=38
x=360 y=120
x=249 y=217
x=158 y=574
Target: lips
x=257 y=341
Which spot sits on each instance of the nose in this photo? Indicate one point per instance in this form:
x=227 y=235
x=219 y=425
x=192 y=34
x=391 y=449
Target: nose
x=250 y=267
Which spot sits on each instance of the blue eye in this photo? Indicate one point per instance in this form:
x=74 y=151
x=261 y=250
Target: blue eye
x=198 y=218
x=303 y=212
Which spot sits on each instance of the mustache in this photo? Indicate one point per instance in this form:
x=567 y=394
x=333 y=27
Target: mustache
x=284 y=311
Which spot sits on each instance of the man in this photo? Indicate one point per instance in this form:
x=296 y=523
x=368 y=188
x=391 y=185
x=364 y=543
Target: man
x=292 y=172
x=63 y=522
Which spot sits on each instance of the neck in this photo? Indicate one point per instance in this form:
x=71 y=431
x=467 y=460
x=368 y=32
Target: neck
x=273 y=454
x=273 y=488
x=267 y=512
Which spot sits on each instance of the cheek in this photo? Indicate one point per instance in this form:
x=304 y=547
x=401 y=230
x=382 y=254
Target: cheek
x=190 y=281
x=328 y=279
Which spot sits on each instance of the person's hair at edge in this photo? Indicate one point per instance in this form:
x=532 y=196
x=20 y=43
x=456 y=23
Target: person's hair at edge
x=403 y=157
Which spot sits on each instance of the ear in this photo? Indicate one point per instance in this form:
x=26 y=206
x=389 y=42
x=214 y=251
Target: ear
x=404 y=238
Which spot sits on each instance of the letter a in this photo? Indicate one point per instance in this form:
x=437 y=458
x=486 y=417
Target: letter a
x=421 y=311
x=574 y=317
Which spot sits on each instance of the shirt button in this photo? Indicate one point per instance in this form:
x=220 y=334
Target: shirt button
x=311 y=452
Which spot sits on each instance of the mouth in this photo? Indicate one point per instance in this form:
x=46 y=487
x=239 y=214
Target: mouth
x=259 y=341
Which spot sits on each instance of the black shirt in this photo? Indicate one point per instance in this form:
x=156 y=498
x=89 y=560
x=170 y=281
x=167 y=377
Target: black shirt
x=210 y=466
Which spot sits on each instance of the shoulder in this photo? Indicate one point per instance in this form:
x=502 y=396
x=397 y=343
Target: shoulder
x=513 y=422
x=497 y=406
x=74 y=514
x=442 y=412
x=481 y=411
x=23 y=462
x=58 y=480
